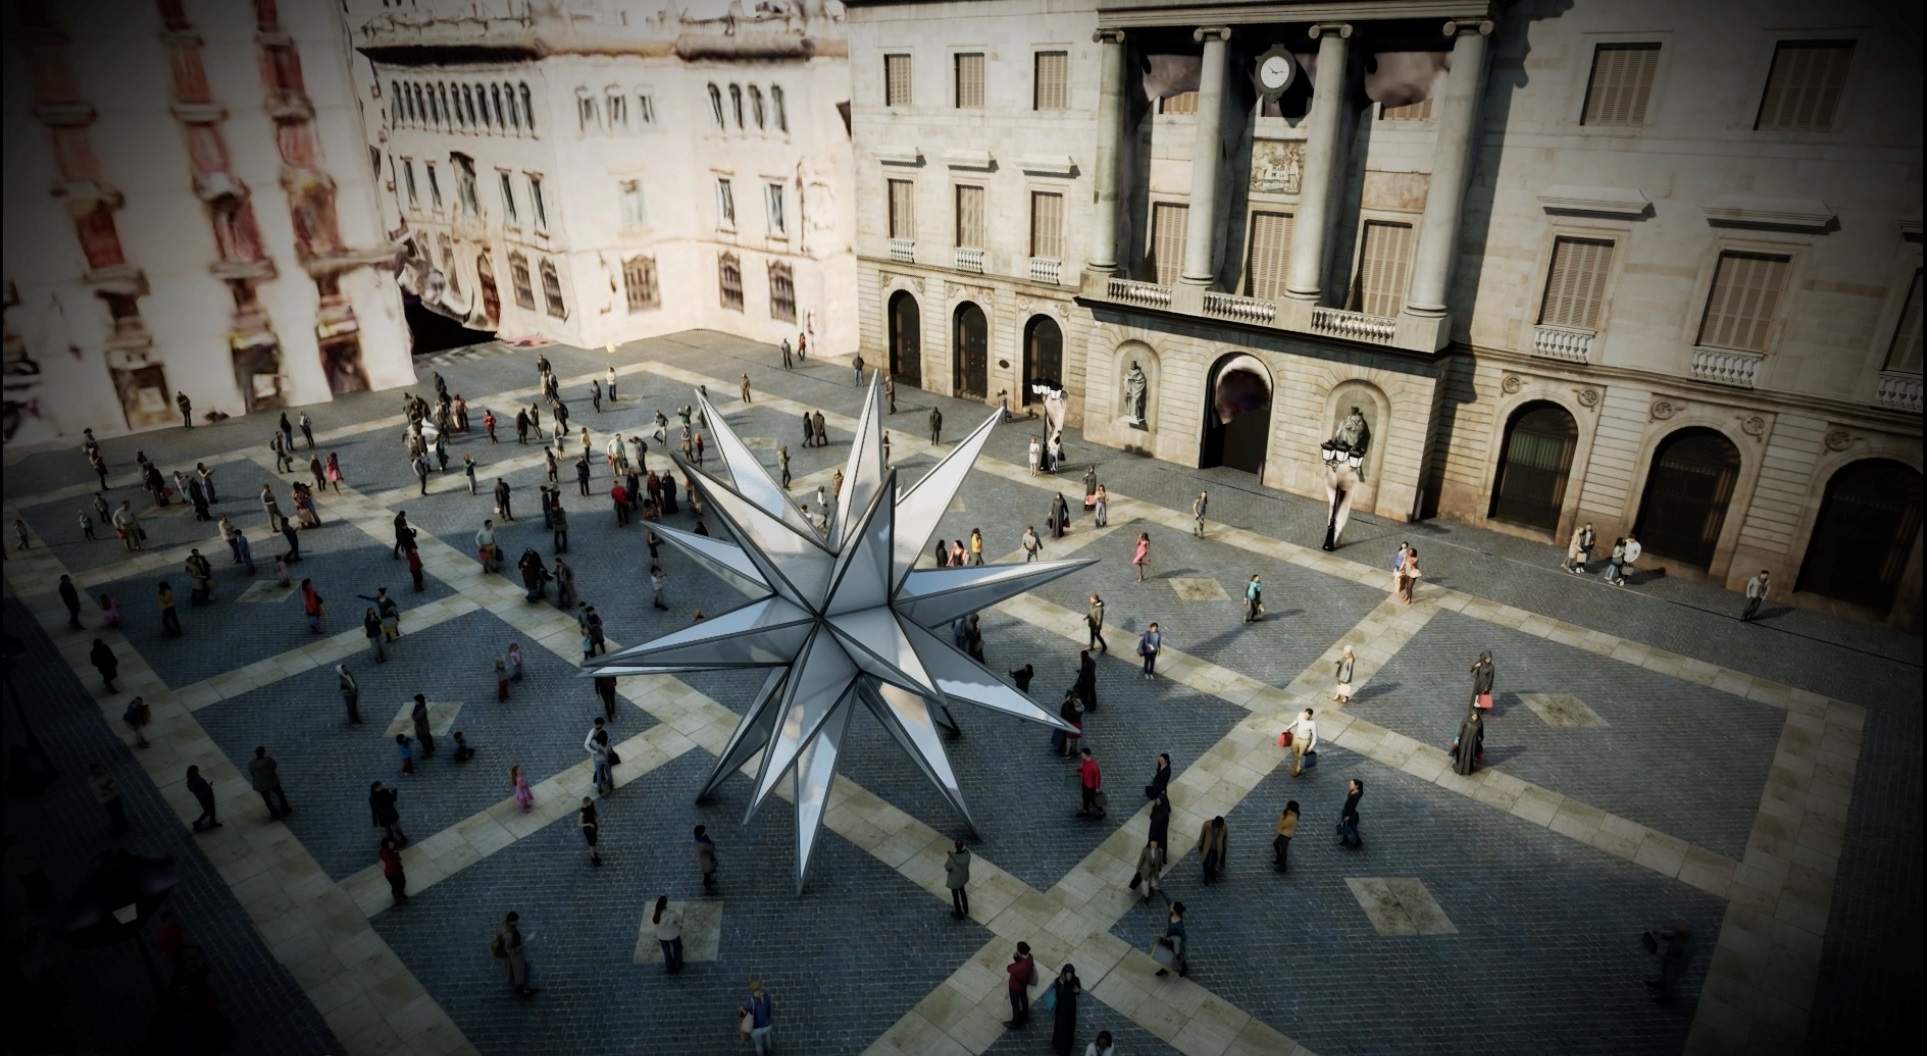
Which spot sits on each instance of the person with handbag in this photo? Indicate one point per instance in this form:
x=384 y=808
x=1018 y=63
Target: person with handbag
x=510 y=947
x=1302 y=739
x=668 y=923
x=1214 y=844
x=1483 y=675
x=1347 y=664
x=597 y=745
x=1170 y=949
x=756 y=1019
x=956 y=877
x=1019 y=974
x=1468 y=748
x=1281 y=836
x=1348 y=815
x=1150 y=866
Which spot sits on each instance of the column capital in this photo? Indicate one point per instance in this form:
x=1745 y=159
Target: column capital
x=1209 y=33
x=1459 y=27
x=1342 y=29
x=1108 y=36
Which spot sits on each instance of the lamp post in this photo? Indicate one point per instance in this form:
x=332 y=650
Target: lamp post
x=1341 y=476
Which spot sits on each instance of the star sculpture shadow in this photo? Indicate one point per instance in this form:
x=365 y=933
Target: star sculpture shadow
x=839 y=619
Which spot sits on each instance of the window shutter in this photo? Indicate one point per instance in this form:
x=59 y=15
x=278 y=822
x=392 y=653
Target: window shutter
x=970 y=217
x=970 y=81
x=1052 y=81
x=902 y=214
x=1576 y=283
x=1745 y=295
x=896 y=80
x=1270 y=246
x=1419 y=111
x=1621 y=85
x=1804 y=86
x=1047 y=225
x=1168 y=222
x=1384 y=261
x=1181 y=103
x=1904 y=353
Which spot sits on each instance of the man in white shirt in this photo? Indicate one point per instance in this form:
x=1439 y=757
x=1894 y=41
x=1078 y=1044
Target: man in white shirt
x=1304 y=741
x=1756 y=591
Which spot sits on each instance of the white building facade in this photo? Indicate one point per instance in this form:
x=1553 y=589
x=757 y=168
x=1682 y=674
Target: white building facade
x=596 y=172
x=189 y=209
x=1623 y=264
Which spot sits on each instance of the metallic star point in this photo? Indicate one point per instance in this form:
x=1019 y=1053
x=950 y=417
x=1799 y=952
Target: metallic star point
x=840 y=621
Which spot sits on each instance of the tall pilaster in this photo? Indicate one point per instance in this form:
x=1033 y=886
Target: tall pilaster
x=1205 y=159
x=1458 y=113
x=1108 y=171
x=1305 y=270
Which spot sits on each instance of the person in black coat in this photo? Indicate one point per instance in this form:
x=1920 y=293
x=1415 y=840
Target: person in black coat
x=1161 y=820
x=1483 y=675
x=1086 y=686
x=1348 y=816
x=1160 y=778
x=70 y=597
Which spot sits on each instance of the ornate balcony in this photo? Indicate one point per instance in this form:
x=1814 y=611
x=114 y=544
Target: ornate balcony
x=1045 y=270
x=1724 y=366
x=1558 y=342
x=971 y=260
x=1354 y=326
x=1145 y=294
x=903 y=250
x=1243 y=309
x=1899 y=391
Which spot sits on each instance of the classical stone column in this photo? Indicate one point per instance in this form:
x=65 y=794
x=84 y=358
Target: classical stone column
x=1305 y=270
x=1108 y=171
x=1458 y=112
x=1201 y=225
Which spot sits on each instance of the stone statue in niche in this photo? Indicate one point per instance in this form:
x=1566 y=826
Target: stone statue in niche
x=1277 y=166
x=1137 y=388
x=1353 y=434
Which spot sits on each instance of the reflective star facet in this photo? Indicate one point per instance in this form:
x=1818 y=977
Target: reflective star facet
x=840 y=620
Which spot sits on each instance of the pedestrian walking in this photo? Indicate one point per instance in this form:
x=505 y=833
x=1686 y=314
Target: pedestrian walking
x=384 y=810
x=1756 y=592
x=602 y=755
x=1031 y=544
x=1060 y=517
x=1213 y=847
x=510 y=947
x=706 y=858
x=404 y=535
x=1094 y=624
x=1150 y=868
x=311 y=605
x=1172 y=949
x=1160 y=777
x=1061 y=1002
x=419 y=716
x=1254 y=599
x=422 y=468
x=657 y=580
x=1468 y=747
x=264 y=774
x=416 y=573
x=1302 y=738
x=1019 y=975
x=1408 y=576
x=1034 y=455
x=187 y=408
x=392 y=869
x=936 y=426
x=1347 y=665
x=1149 y=644
x=758 y=1015
x=585 y=822
x=87 y=527
x=890 y=391
x=1281 y=836
x=203 y=792
x=1086 y=685
x=107 y=794
x=502 y=495
x=137 y=716
x=1101 y=509
x=1090 y=780
x=170 y=620
x=745 y=386
x=307 y=429
x=1348 y=815
x=70 y=599
x=350 y=693
x=856 y=367
x=1484 y=675
x=956 y=877
x=371 y=629
x=1198 y=507
x=1141 y=555
x=611 y=373
x=519 y=788
x=668 y=924
x=103 y=658
x=127 y=526
x=1579 y=550
x=785 y=347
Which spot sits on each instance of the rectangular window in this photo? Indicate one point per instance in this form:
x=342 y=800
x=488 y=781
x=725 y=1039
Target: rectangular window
x=970 y=81
x=1419 y=111
x=465 y=183
x=773 y=202
x=618 y=104
x=903 y=209
x=585 y=111
x=1051 y=81
x=1047 y=225
x=1270 y=246
x=1744 y=298
x=537 y=203
x=1576 y=283
x=729 y=279
x=1621 y=85
x=896 y=80
x=782 y=292
x=630 y=194
x=1904 y=353
x=645 y=110
x=434 y=188
x=725 y=206
x=509 y=215
x=1803 y=88
x=639 y=283
x=408 y=176
x=1384 y=265
x=970 y=217
x=1181 y=103
x=1166 y=259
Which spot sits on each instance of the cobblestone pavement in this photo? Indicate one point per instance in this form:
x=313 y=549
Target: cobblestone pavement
x=1761 y=781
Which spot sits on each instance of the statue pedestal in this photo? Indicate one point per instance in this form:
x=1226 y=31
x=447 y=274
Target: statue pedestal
x=1134 y=438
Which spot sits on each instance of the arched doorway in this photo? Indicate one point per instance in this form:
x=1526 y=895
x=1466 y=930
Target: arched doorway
x=485 y=278
x=1864 y=534
x=1530 y=488
x=1687 y=490
x=1043 y=357
x=906 y=345
x=1237 y=420
x=970 y=352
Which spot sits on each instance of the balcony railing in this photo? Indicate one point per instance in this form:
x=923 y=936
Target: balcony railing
x=1243 y=309
x=1558 y=342
x=1723 y=366
x=1899 y=391
x=971 y=260
x=1148 y=294
x=903 y=250
x=1046 y=270
x=1354 y=326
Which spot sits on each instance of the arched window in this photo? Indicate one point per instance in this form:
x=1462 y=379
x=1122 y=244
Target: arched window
x=716 y=106
x=782 y=292
x=1683 y=512
x=736 y=103
x=1863 y=536
x=729 y=278
x=395 y=103
x=756 y=105
x=639 y=283
x=519 y=277
x=468 y=106
x=481 y=97
x=528 y=108
x=777 y=113
x=515 y=113
x=448 y=109
x=495 y=99
x=552 y=291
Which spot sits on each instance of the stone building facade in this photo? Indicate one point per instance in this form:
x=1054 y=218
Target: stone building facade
x=188 y=210
x=596 y=171
x=1624 y=264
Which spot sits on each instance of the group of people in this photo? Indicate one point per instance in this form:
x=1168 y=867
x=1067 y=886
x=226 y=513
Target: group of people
x=1625 y=550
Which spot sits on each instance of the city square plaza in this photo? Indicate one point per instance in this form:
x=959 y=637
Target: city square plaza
x=1649 y=760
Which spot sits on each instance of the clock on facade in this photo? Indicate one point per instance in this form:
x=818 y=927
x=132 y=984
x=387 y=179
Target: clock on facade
x=1275 y=71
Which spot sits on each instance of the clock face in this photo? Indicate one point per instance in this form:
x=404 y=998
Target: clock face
x=1274 y=72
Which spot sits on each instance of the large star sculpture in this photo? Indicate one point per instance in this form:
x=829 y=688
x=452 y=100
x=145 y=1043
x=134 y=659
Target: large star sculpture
x=839 y=619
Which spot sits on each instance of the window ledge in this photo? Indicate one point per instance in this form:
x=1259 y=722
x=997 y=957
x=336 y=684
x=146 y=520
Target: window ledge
x=969 y=159
x=899 y=155
x=1598 y=201
x=1761 y=211
x=1049 y=165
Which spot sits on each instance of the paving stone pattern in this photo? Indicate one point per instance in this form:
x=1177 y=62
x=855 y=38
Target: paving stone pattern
x=1648 y=764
